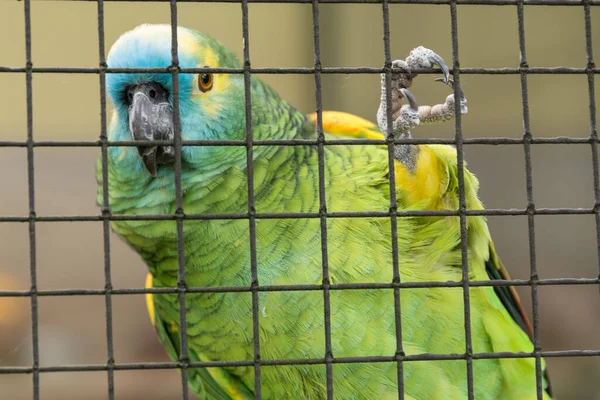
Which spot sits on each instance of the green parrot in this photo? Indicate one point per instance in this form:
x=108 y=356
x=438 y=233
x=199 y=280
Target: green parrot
x=219 y=326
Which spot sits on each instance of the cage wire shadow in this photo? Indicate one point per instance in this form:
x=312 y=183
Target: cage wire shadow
x=183 y=364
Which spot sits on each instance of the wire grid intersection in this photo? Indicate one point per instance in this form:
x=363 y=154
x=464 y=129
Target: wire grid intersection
x=184 y=363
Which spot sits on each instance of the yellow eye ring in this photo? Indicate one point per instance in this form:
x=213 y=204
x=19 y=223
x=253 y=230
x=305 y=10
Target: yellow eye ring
x=205 y=82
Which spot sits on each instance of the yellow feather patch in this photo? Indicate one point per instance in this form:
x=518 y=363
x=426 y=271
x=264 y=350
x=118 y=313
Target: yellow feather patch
x=150 y=300
x=221 y=379
x=429 y=177
x=344 y=124
x=426 y=182
x=186 y=40
x=210 y=57
x=221 y=82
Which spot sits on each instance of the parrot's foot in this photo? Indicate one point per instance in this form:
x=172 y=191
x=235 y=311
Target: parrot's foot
x=400 y=81
x=420 y=58
x=442 y=112
x=407 y=116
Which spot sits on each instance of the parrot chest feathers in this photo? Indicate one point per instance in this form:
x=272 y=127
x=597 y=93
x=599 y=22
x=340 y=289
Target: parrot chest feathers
x=217 y=253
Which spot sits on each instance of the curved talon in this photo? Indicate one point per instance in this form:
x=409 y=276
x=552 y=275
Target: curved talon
x=411 y=99
x=451 y=84
x=398 y=64
x=448 y=82
x=436 y=59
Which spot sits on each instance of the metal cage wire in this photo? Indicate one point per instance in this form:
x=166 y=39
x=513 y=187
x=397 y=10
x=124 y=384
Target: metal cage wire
x=183 y=364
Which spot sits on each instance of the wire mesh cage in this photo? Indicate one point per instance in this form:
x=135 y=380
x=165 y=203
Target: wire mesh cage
x=318 y=73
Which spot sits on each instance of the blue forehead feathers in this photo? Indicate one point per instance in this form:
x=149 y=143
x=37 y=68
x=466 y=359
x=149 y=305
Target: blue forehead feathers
x=148 y=46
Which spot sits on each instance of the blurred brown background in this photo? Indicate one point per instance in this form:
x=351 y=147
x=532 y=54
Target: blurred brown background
x=66 y=107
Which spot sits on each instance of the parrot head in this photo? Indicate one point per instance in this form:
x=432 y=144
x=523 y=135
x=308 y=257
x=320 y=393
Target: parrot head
x=211 y=106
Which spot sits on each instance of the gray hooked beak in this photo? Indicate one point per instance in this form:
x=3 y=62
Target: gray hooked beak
x=151 y=118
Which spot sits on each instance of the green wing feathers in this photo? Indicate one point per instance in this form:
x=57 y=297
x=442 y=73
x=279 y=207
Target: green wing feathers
x=435 y=183
x=510 y=300
x=207 y=383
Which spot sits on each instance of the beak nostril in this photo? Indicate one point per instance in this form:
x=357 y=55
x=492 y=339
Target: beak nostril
x=152 y=93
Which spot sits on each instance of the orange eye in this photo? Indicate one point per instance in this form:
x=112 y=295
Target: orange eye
x=205 y=82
